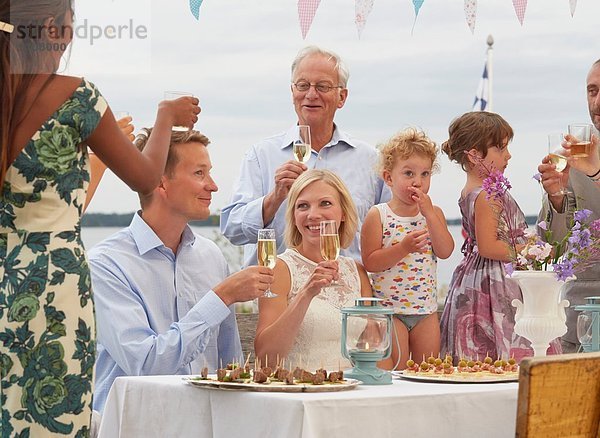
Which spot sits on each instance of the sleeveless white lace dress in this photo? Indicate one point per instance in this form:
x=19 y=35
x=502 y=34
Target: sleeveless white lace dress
x=318 y=343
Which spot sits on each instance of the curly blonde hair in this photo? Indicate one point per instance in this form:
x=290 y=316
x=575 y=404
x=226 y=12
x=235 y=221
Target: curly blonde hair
x=405 y=144
x=348 y=227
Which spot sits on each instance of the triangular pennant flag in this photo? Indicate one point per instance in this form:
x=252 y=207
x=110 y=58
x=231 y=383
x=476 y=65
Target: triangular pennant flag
x=520 y=6
x=306 y=13
x=195 y=8
x=471 y=13
x=417 y=4
x=362 y=9
x=573 y=5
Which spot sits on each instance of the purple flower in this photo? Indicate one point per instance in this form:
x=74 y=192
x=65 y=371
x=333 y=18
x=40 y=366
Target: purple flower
x=495 y=185
x=580 y=239
x=543 y=225
x=538 y=177
x=564 y=269
x=582 y=215
x=509 y=268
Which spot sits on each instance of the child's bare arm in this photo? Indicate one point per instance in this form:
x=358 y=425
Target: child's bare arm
x=441 y=239
x=486 y=230
x=376 y=258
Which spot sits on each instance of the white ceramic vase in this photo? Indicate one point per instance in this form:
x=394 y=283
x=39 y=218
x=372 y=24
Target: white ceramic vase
x=540 y=318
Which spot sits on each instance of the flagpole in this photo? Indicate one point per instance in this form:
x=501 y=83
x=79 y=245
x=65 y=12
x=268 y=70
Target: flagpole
x=490 y=71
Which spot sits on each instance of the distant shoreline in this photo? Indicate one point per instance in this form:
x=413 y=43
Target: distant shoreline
x=124 y=219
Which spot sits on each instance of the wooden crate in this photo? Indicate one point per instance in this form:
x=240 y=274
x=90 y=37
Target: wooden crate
x=559 y=396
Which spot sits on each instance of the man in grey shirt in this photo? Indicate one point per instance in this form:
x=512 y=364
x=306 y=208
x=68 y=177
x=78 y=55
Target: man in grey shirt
x=583 y=180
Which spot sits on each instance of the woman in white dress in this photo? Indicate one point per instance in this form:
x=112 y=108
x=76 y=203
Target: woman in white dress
x=303 y=323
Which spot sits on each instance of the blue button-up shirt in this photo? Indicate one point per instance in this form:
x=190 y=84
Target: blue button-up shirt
x=353 y=160
x=155 y=310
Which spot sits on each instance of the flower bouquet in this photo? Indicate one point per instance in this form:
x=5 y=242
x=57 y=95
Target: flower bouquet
x=540 y=317
x=576 y=251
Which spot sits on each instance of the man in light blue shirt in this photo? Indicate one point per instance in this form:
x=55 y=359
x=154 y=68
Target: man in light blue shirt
x=319 y=79
x=164 y=300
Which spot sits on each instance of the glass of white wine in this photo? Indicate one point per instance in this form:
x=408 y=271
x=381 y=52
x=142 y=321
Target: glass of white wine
x=330 y=241
x=302 y=144
x=266 y=253
x=557 y=156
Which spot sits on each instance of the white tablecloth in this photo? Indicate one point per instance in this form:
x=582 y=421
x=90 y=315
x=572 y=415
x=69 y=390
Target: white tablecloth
x=165 y=406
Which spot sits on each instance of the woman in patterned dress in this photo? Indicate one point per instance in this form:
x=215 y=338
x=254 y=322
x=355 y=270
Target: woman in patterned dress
x=47 y=333
x=303 y=323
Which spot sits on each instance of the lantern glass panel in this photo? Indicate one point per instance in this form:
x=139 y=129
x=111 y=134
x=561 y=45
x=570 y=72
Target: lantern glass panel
x=584 y=327
x=367 y=333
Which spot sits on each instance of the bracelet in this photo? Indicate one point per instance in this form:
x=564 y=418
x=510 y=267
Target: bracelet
x=594 y=175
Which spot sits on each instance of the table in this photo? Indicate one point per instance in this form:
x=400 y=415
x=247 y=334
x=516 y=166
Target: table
x=165 y=406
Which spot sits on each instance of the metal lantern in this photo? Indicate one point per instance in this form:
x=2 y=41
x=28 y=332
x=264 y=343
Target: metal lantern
x=366 y=340
x=588 y=324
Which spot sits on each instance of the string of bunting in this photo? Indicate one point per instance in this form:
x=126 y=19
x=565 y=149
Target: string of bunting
x=307 y=9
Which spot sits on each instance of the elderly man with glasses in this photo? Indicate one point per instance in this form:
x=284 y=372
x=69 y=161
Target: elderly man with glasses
x=319 y=80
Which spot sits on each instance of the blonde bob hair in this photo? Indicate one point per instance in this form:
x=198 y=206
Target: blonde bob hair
x=348 y=226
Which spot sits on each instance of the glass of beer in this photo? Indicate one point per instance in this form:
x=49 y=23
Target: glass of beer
x=266 y=253
x=172 y=95
x=302 y=145
x=557 y=156
x=330 y=241
x=580 y=147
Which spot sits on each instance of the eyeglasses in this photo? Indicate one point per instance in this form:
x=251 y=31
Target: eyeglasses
x=321 y=87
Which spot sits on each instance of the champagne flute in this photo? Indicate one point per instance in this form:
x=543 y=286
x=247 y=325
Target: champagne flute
x=557 y=157
x=266 y=253
x=172 y=95
x=302 y=145
x=330 y=241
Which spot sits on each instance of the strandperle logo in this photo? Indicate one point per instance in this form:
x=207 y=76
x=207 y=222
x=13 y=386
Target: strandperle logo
x=83 y=31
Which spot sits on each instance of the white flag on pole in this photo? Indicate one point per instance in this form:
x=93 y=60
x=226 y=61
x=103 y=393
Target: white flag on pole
x=483 y=91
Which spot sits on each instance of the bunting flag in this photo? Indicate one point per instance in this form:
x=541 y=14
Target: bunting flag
x=306 y=13
x=362 y=9
x=195 y=8
x=471 y=13
x=417 y=4
x=520 y=6
x=483 y=91
x=573 y=5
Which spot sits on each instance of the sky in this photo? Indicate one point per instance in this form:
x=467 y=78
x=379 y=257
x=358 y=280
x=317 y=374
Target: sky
x=236 y=58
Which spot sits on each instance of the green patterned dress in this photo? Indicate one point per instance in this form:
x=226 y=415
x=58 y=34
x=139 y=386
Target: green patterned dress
x=47 y=332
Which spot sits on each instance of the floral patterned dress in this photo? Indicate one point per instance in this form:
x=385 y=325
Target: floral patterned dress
x=47 y=332
x=478 y=318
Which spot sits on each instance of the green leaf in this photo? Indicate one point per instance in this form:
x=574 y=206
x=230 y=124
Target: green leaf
x=64 y=259
x=58 y=277
x=37 y=242
x=69 y=236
